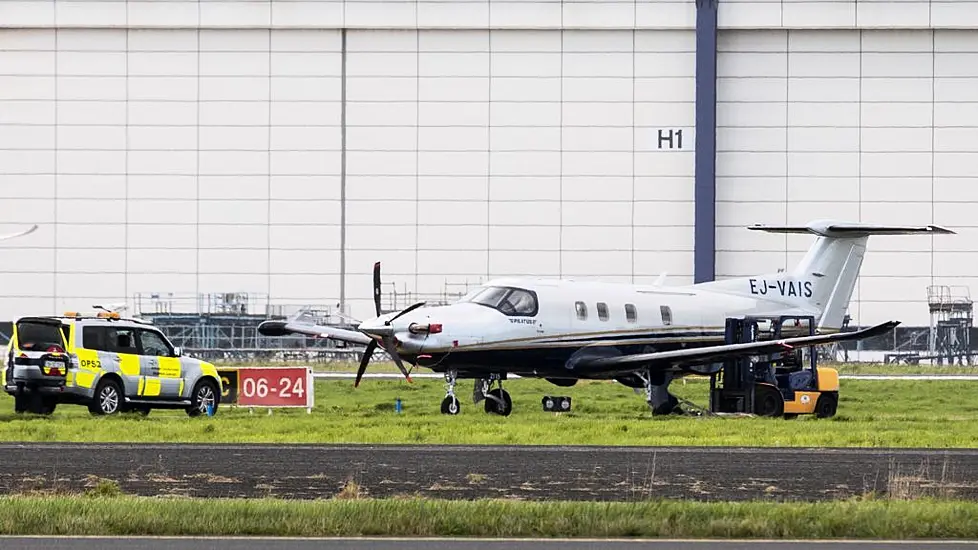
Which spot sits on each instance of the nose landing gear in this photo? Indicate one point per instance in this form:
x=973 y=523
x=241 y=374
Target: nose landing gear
x=450 y=404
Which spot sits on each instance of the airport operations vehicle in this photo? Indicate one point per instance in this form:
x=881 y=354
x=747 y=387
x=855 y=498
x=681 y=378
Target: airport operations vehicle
x=109 y=363
x=642 y=336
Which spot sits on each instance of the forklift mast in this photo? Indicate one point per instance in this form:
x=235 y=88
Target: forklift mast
x=732 y=387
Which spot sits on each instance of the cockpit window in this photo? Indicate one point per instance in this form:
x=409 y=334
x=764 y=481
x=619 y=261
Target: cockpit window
x=508 y=300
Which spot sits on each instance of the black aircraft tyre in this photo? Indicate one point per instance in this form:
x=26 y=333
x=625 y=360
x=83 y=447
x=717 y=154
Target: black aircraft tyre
x=826 y=405
x=205 y=393
x=107 y=398
x=493 y=407
x=450 y=405
x=768 y=401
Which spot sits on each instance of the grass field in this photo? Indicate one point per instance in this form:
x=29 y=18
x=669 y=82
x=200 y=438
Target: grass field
x=844 y=368
x=871 y=414
x=122 y=515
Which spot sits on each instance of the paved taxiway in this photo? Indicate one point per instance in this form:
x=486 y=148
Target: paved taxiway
x=466 y=472
x=138 y=543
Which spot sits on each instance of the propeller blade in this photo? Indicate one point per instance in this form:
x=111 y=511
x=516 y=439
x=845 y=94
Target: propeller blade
x=377 y=287
x=389 y=346
x=367 y=353
x=408 y=309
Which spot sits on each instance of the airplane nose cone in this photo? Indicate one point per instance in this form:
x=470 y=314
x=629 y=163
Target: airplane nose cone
x=375 y=327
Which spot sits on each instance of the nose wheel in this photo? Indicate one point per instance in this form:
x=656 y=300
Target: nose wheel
x=450 y=404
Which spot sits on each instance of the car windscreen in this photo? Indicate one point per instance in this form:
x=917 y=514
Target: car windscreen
x=35 y=336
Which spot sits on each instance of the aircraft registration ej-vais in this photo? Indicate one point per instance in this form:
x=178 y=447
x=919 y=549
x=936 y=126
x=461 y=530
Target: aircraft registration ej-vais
x=642 y=336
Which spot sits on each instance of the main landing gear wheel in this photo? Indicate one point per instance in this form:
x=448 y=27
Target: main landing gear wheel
x=499 y=402
x=657 y=395
x=450 y=405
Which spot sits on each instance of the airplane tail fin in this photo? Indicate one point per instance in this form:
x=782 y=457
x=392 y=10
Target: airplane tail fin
x=826 y=276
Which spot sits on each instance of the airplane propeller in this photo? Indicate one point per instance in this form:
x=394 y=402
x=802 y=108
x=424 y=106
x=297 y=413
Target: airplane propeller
x=386 y=334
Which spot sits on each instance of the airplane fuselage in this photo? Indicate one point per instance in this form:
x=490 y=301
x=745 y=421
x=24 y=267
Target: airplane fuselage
x=575 y=319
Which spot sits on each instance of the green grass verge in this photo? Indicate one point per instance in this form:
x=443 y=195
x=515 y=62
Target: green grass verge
x=864 y=519
x=932 y=414
x=844 y=368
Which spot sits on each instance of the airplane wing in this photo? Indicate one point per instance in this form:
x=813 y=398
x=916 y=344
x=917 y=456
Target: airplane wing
x=284 y=328
x=712 y=354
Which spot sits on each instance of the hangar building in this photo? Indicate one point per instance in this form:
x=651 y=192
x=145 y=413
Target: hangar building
x=280 y=148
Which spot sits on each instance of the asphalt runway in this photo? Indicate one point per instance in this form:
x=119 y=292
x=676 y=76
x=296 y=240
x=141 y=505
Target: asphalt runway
x=514 y=472
x=149 y=543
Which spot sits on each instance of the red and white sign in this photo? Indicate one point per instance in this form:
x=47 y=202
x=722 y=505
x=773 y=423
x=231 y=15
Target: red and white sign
x=275 y=387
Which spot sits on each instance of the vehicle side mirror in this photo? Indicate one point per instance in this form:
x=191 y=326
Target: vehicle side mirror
x=177 y=352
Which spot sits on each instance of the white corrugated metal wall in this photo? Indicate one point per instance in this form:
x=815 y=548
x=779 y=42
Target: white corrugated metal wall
x=195 y=146
x=873 y=125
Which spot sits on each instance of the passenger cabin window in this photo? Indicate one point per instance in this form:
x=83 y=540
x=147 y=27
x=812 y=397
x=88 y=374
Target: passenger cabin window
x=581 y=309
x=602 y=311
x=110 y=339
x=515 y=302
x=151 y=343
x=631 y=315
x=94 y=338
x=666 y=315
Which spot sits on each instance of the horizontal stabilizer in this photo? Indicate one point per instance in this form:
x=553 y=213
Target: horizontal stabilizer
x=712 y=354
x=830 y=228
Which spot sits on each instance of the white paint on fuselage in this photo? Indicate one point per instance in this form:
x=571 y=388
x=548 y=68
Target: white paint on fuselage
x=698 y=314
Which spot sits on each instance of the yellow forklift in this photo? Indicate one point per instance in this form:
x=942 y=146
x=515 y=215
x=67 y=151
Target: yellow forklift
x=782 y=384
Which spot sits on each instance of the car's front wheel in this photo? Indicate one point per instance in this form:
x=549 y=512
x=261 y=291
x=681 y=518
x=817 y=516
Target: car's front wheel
x=203 y=397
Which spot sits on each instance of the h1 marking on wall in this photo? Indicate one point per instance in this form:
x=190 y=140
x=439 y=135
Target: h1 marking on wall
x=670 y=139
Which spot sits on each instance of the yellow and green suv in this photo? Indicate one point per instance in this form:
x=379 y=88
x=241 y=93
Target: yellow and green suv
x=109 y=363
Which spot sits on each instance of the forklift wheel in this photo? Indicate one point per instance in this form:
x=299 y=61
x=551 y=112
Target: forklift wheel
x=767 y=401
x=826 y=405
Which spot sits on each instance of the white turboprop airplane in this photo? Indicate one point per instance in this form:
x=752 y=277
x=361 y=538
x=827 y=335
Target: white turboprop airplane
x=643 y=336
